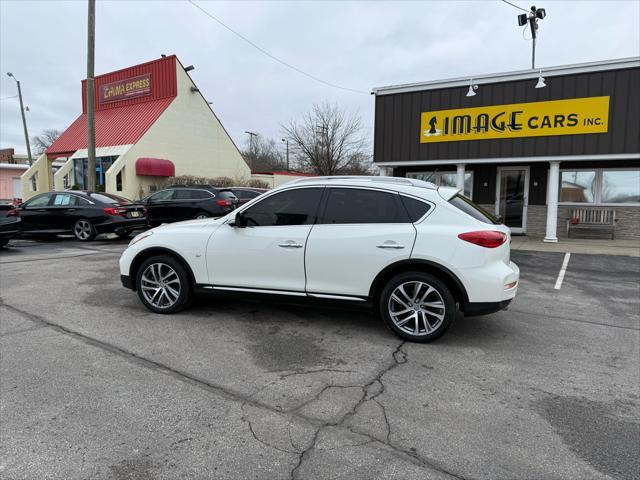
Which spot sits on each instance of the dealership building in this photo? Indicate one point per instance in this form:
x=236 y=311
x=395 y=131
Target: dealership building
x=151 y=122
x=537 y=147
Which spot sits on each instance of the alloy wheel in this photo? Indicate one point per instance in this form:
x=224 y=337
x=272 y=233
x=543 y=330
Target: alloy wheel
x=416 y=308
x=200 y=216
x=160 y=285
x=82 y=229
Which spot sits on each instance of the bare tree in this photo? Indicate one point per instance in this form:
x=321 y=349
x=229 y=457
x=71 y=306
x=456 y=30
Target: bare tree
x=327 y=141
x=44 y=140
x=262 y=154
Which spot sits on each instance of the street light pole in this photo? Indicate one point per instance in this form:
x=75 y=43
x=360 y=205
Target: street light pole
x=24 y=119
x=251 y=151
x=287 y=142
x=91 y=129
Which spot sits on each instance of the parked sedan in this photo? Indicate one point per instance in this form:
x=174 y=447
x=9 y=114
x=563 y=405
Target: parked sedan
x=9 y=228
x=85 y=214
x=246 y=194
x=186 y=202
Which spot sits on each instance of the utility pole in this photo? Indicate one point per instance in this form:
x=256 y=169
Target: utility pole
x=91 y=128
x=252 y=135
x=532 y=19
x=287 y=141
x=24 y=119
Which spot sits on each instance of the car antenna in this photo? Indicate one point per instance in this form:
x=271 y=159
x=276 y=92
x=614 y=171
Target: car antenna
x=432 y=174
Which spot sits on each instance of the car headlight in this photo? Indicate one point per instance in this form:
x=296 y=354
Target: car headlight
x=139 y=237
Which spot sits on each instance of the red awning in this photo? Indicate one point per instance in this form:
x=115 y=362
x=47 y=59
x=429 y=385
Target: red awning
x=115 y=126
x=155 y=167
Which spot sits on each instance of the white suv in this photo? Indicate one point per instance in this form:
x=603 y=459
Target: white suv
x=406 y=247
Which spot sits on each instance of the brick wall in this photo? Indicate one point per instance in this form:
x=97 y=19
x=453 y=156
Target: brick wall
x=627 y=225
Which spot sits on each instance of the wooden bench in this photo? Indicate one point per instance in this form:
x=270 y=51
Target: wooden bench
x=592 y=220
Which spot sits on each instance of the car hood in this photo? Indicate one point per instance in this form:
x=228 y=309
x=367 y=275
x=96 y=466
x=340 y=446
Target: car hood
x=203 y=222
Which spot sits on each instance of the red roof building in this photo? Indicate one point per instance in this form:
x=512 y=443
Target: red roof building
x=151 y=121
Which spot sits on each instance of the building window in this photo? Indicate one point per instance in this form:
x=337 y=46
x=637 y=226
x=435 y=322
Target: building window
x=66 y=181
x=600 y=186
x=119 y=179
x=446 y=179
x=33 y=182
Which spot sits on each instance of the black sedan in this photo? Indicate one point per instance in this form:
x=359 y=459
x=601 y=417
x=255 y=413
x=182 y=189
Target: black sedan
x=9 y=228
x=186 y=202
x=85 y=214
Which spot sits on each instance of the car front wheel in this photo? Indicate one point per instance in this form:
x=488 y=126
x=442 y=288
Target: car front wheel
x=417 y=306
x=163 y=285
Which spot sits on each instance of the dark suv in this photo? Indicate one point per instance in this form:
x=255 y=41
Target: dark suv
x=185 y=202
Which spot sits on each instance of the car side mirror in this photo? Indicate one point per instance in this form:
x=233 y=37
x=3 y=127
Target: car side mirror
x=240 y=221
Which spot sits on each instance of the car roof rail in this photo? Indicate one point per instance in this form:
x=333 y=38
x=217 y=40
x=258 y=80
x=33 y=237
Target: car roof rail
x=414 y=182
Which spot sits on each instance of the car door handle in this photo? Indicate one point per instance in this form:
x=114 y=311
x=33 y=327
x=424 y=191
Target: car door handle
x=42 y=210
x=71 y=209
x=290 y=245
x=392 y=246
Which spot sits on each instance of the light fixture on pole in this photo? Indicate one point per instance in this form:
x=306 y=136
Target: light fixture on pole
x=24 y=118
x=287 y=142
x=472 y=89
x=540 y=83
x=532 y=19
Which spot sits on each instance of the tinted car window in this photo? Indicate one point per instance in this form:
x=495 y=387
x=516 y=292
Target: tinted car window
x=470 y=208
x=107 y=198
x=293 y=207
x=227 y=195
x=41 y=201
x=200 y=194
x=64 y=199
x=352 y=205
x=246 y=194
x=161 y=195
x=415 y=208
x=188 y=194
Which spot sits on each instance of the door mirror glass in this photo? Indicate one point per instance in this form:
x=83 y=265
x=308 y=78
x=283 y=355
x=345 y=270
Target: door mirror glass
x=240 y=220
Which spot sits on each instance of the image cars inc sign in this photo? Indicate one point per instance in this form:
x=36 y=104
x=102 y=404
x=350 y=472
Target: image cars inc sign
x=125 y=89
x=535 y=119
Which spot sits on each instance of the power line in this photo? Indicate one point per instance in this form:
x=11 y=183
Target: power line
x=515 y=6
x=273 y=57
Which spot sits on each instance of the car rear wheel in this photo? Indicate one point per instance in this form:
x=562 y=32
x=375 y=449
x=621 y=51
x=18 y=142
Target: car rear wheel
x=417 y=306
x=201 y=215
x=163 y=285
x=84 y=231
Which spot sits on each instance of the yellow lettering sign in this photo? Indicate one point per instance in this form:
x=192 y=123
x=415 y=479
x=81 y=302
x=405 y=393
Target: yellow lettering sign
x=535 y=119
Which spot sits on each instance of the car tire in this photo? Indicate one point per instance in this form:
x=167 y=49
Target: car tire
x=170 y=275
x=201 y=215
x=84 y=230
x=423 y=312
x=123 y=233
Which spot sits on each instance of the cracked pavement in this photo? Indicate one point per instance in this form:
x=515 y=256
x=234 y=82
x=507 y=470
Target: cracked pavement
x=92 y=385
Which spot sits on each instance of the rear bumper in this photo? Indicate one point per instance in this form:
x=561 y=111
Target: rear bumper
x=125 y=223
x=485 y=308
x=126 y=281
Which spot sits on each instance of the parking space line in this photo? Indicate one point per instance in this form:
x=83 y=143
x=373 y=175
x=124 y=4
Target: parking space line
x=562 y=271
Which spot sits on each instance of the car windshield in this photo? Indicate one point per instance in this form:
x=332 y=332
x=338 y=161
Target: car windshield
x=108 y=198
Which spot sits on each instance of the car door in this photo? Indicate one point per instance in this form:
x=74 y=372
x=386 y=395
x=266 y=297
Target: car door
x=360 y=232
x=157 y=206
x=184 y=204
x=268 y=254
x=62 y=211
x=34 y=212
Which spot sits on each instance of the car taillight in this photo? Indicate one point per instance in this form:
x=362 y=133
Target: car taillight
x=223 y=203
x=484 y=238
x=13 y=213
x=115 y=211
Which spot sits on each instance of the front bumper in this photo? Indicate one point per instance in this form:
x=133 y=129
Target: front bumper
x=127 y=282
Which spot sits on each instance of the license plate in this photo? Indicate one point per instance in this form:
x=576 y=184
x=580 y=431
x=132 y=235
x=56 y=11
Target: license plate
x=135 y=214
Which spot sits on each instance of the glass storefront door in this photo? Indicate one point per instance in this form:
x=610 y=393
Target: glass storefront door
x=80 y=169
x=512 y=197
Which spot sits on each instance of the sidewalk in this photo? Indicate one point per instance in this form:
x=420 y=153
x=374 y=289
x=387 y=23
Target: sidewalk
x=578 y=245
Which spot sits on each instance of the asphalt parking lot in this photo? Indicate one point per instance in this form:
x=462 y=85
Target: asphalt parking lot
x=95 y=386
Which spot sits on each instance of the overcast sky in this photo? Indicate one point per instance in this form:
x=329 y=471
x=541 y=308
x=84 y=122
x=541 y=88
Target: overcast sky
x=360 y=45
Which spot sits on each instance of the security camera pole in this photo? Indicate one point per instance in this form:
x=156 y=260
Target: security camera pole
x=91 y=130
x=24 y=118
x=532 y=19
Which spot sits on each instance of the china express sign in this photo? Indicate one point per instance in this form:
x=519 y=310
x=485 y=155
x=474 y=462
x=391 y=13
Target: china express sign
x=126 y=89
x=535 y=119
